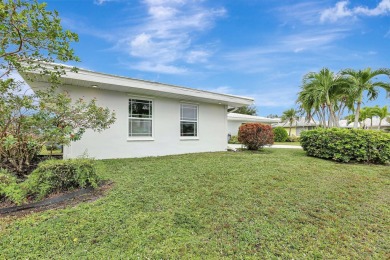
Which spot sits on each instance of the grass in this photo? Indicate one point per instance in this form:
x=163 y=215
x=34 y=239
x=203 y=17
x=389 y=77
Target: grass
x=44 y=151
x=288 y=143
x=272 y=204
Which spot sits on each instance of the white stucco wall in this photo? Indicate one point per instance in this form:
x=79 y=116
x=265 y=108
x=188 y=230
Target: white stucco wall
x=114 y=142
x=233 y=127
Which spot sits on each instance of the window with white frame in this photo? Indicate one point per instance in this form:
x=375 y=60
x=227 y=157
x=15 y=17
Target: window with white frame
x=140 y=118
x=188 y=120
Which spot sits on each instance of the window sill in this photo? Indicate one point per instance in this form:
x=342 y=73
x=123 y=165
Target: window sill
x=131 y=139
x=189 y=138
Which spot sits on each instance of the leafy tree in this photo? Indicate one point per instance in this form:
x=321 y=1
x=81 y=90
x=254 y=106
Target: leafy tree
x=247 y=110
x=32 y=36
x=364 y=81
x=272 y=116
x=290 y=116
x=324 y=94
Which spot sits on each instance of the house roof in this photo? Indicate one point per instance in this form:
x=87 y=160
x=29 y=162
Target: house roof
x=302 y=122
x=367 y=122
x=249 y=118
x=89 y=78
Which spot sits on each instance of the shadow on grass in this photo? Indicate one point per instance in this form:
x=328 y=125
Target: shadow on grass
x=260 y=151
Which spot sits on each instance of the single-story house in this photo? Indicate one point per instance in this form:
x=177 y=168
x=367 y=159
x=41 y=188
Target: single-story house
x=385 y=125
x=235 y=120
x=298 y=126
x=153 y=119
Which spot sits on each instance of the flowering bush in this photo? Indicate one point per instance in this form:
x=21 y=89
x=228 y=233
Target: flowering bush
x=255 y=135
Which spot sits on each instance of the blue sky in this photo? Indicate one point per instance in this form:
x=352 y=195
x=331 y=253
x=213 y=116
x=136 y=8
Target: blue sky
x=255 y=48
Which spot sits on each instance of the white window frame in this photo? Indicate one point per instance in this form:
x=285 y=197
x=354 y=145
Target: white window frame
x=140 y=138
x=196 y=137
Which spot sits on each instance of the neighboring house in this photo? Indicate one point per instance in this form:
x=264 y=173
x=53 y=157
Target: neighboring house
x=236 y=120
x=153 y=119
x=367 y=124
x=298 y=126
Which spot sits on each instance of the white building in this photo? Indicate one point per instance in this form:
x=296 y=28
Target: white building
x=367 y=124
x=235 y=120
x=153 y=119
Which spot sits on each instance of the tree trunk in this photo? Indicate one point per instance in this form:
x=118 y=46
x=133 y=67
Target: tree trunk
x=357 y=112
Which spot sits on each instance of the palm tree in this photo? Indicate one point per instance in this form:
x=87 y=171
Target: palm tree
x=382 y=113
x=324 y=93
x=290 y=116
x=370 y=113
x=362 y=81
x=365 y=113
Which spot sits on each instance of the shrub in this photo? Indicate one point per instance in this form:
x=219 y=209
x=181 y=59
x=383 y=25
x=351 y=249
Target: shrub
x=292 y=138
x=10 y=189
x=234 y=140
x=255 y=135
x=346 y=145
x=280 y=134
x=60 y=175
x=52 y=146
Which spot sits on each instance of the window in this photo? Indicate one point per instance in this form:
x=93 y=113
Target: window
x=140 y=117
x=188 y=120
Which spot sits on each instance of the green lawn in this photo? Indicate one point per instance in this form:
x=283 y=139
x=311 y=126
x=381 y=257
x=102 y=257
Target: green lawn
x=44 y=151
x=289 y=143
x=272 y=204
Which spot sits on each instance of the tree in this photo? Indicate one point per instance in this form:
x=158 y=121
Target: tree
x=290 y=116
x=30 y=37
x=324 y=94
x=382 y=113
x=247 y=110
x=371 y=112
x=29 y=122
x=364 y=81
x=272 y=116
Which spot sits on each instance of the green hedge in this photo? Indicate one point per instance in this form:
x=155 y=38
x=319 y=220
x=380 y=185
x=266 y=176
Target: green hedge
x=345 y=145
x=51 y=176
x=61 y=175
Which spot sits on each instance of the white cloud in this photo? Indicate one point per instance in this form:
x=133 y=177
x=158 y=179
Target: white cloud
x=284 y=50
x=100 y=2
x=222 y=89
x=279 y=98
x=168 y=35
x=161 y=12
x=304 y=12
x=197 y=56
x=159 y=68
x=382 y=8
x=341 y=10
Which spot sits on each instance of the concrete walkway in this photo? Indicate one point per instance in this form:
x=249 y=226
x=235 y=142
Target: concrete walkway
x=283 y=146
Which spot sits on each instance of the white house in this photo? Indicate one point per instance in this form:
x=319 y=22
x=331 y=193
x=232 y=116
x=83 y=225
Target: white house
x=153 y=119
x=298 y=126
x=235 y=120
x=367 y=124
